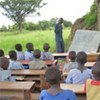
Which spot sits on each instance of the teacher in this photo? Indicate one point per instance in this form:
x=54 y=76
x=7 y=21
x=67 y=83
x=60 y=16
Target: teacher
x=59 y=36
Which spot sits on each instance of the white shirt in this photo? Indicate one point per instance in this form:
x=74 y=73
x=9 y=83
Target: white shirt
x=46 y=56
x=29 y=55
x=75 y=76
x=15 y=65
x=69 y=66
x=20 y=55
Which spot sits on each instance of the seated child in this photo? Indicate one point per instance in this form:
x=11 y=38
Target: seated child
x=5 y=75
x=72 y=64
x=53 y=77
x=13 y=63
x=93 y=86
x=29 y=53
x=46 y=55
x=37 y=63
x=81 y=74
x=20 y=54
x=1 y=53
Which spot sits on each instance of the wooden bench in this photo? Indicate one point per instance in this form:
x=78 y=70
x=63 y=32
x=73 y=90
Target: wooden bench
x=18 y=90
x=30 y=75
x=78 y=89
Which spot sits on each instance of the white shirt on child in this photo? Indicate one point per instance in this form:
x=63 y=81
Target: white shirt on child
x=75 y=76
x=70 y=65
x=46 y=56
x=29 y=55
x=20 y=55
x=15 y=65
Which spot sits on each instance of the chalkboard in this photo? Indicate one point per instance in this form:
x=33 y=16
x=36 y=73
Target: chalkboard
x=85 y=40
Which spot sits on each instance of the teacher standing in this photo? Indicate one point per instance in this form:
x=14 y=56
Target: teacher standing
x=59 y=36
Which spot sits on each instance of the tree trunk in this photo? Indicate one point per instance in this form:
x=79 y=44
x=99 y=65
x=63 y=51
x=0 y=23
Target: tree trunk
x=20 y=26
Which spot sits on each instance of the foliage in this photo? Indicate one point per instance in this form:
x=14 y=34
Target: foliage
x=17 y=10
x=91 y=17
x=67 y=23
x=38 y=38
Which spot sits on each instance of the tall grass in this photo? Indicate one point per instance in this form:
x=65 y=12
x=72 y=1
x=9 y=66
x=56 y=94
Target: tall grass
x=38 y=38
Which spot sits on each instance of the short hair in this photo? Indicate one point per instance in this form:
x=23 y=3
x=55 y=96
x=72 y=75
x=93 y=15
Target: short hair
x=82 y=57
x=72 y=55
x=37 y=53
x=4 y=63
x=18 y=47
x=60 y=20
x=96 y=70
x=53 y=75
x=98 y=57
x=1 y=53
x=12 y=55
x=30 y=46
x=46 y=46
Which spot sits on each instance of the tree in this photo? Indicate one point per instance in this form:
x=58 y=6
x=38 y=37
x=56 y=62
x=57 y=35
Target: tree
x=17 y=10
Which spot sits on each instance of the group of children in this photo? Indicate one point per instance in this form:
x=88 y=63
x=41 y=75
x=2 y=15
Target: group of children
x=78 y=73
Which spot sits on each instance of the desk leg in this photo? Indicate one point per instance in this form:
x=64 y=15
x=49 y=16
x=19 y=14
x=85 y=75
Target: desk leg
x=41 y=81
x=27 y=95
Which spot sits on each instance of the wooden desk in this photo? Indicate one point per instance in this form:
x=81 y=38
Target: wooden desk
x=31 y=75
x=48 y=62
x=78 y=89
x=89 y=64
x=91 y=57
x=20 y=90
x=60 y=55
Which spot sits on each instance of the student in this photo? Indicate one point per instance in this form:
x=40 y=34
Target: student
x=1 y=53
x=46 y=55
x=5 y=75
x=20 y=54
x=29 y=53
x=93 y=86
x=13 y=63
x=81 y=74
x=37 y=63
x=53 y=77
x=72 y=64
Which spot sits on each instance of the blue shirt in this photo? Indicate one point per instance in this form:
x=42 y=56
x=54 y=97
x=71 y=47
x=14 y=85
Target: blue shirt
x=64 y=95
x=58 y=32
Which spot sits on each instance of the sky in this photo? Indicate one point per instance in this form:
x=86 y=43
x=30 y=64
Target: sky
x=70 y=10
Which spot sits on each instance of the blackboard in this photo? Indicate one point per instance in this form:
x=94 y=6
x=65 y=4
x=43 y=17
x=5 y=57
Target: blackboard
x=85 y=40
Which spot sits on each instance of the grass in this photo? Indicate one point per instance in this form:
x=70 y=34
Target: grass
x=38 y=38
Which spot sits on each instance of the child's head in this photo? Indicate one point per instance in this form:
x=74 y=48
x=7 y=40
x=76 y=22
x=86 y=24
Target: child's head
x=98 y=57
x=46 y=47
x=12 y=55
x=1 y=53
x=72 y=55
x=4 y=63
x=18 y=47
x=82 y=57
x=30 y=46
x=53 y=76
x=37 y=53
x=96 y=71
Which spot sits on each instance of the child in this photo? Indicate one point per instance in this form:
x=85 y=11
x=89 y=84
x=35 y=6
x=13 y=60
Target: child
x=13 y=63
x=72 y=64
x=46 y=55
x=28 y=54
x=81 y=74
x=1 y=53
x=37 y=63
x=5 y=75
x=53 y=77
x=20 y=54
x=93 y=86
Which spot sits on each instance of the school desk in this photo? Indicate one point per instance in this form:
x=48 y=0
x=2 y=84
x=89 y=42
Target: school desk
x=21 y=90
x=30 y=75
x=78 y=89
